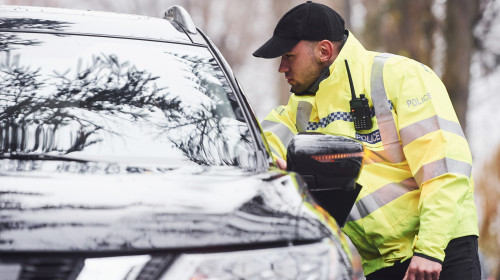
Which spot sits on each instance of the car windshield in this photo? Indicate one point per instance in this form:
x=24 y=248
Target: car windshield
x=95 y=98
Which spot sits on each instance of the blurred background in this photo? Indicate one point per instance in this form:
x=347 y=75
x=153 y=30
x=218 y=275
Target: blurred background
x=459 y=39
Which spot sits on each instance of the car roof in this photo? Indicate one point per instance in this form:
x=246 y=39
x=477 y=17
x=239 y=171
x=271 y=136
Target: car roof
x=69 y=21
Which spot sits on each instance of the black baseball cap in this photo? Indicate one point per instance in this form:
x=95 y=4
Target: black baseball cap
x=308 y=21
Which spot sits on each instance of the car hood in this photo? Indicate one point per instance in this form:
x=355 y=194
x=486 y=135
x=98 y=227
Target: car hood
x=71 y=206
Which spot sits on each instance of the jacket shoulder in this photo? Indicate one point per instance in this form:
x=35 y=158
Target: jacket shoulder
x=402 y=65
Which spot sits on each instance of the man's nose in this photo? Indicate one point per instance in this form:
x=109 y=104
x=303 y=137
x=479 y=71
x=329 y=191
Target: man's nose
x=283 y=66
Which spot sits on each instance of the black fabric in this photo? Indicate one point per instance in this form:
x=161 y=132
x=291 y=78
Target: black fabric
x=308 y=21
x=396 y=272
x=461 y=262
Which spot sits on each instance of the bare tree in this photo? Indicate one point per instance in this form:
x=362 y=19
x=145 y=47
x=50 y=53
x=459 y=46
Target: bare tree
x=401 y=27
x=410 y=28
x=461 y=18
x=489 y=195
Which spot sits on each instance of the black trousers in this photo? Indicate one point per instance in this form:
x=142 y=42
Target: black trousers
x=460 y=263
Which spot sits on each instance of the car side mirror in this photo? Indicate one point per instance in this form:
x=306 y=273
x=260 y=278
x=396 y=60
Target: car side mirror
x=326 y=162
x=330 y=165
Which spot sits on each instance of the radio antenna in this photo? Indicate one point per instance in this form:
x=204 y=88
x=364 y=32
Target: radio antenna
x=353 y=93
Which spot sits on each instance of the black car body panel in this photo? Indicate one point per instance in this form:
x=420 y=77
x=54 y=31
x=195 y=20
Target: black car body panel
x=72 y=206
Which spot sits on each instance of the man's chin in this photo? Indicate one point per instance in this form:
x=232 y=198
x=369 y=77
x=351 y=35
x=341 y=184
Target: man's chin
x=298 y=90
x=296 y=87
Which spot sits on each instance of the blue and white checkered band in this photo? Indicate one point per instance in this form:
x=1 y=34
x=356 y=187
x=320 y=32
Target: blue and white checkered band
x=338 y=116
x=324 y=122
x=391 y=106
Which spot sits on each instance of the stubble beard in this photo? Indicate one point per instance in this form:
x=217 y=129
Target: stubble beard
x=309 y=76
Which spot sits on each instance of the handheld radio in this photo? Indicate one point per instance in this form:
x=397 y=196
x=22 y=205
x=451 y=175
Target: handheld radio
x=360 y=109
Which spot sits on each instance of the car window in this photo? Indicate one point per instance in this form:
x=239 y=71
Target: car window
x=119 y=99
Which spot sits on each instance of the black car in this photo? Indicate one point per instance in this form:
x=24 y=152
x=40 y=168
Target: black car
x=128 y=151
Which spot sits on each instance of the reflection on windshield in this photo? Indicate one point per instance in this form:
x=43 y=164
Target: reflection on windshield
x=212 y=122
x=85 y=96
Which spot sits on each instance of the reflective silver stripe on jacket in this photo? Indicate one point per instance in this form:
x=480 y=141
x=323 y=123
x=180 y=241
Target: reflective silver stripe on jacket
x=280 y=130
x=423 y=127
x=381 y=197
x=304 y=110
x=274 y=151
x=440 y=167
x=393 y=151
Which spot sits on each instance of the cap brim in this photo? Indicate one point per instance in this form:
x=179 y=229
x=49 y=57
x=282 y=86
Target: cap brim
x=275 y=47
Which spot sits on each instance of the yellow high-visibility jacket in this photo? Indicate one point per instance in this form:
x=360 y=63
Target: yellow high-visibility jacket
x=417 y=190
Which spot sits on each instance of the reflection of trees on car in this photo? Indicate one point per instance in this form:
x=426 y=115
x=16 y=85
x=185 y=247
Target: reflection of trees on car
x=37 y=106
x=109 y=87
x=207 y=126
x=18 y=101
x=104 y=87
x=9 y=41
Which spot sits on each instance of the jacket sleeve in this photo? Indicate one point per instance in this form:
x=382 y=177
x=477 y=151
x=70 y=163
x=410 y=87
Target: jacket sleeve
x=436 y=150
x=279 y=130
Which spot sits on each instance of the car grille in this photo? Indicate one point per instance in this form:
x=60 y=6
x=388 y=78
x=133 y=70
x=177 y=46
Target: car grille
x=47 y=268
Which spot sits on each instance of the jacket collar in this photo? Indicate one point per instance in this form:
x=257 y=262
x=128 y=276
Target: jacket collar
x=351 y=51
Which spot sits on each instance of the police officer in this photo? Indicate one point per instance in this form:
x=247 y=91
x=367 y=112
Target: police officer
x=415 y=216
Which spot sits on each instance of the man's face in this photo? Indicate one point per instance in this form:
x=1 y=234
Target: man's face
x=301 y=66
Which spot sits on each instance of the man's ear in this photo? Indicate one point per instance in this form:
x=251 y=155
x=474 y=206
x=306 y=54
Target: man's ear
x=327 y=51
